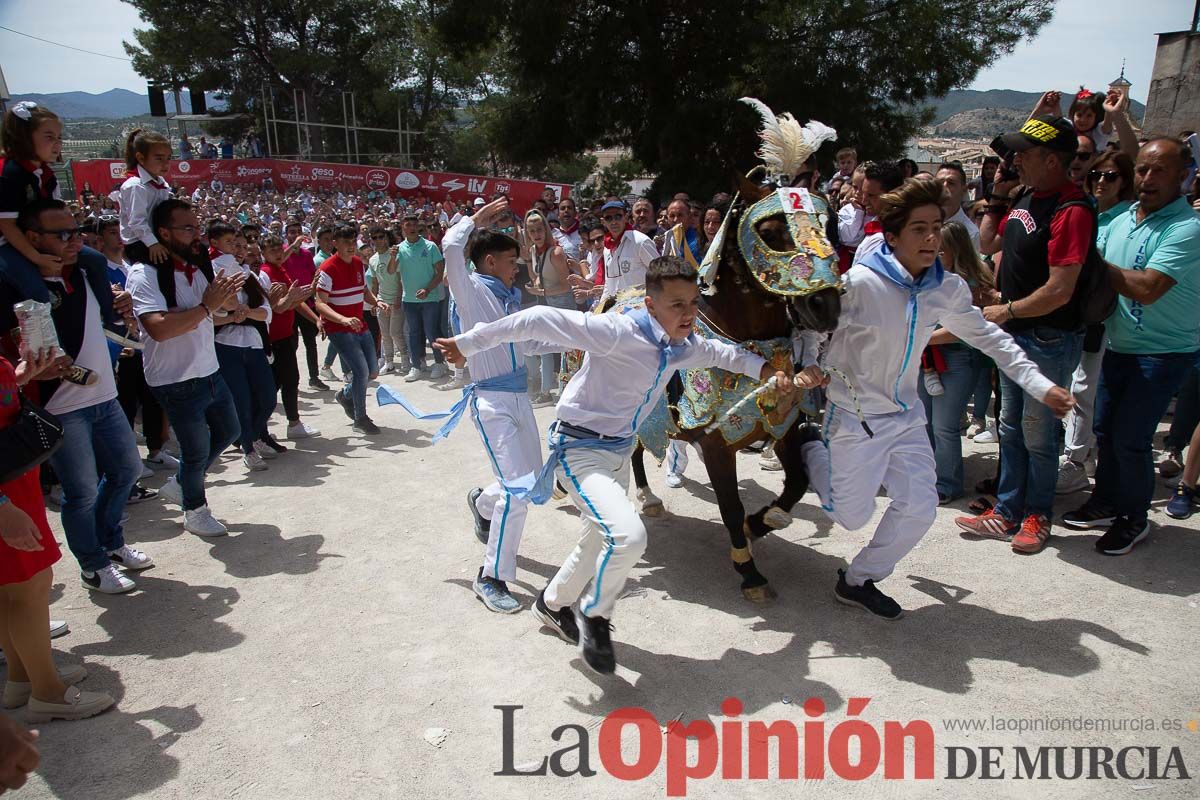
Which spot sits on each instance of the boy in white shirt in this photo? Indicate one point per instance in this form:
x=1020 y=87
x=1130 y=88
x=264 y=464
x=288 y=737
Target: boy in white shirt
x=629 y=359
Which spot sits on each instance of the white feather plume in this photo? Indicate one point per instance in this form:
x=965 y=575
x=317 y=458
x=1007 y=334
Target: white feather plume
x=786 y=145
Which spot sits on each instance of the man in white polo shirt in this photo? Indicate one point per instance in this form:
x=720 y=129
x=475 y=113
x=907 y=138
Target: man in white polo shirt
x=180 y=360
x=627 y=253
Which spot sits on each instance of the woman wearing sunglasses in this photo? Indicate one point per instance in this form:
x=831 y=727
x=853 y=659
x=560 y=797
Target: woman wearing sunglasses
x=1109 y=181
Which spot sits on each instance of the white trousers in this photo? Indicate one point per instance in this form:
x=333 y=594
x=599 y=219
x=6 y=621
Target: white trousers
x=677 y=457
x=613 y=536
x=847 y=470
x=510 y=438
x=1081 y=439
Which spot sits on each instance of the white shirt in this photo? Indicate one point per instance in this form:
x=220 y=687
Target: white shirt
x=241 y=335
x=875 y=241
x=625 y=265
x=139 y=196
x=184 y=357
x=851 y=220
x=571 y=243
x=476 y=305
x=961 y=217
x=93 y=354
x=620 y=380
x=878 y=345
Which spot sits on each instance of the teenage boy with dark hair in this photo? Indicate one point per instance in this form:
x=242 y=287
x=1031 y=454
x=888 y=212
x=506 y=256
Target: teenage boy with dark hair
x=341 y=293
x=629 y=359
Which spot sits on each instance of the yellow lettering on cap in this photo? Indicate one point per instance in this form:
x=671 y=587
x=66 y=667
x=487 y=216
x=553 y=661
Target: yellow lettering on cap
x=1039 y=130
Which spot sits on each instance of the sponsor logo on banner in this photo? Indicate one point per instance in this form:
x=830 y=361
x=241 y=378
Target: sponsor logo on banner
x=477 y=185
x=377 y=179
x=116 y=170
x=244 y=172
x=185 y=167
x=322 y=172
x=453 y=185
x=502 y=188
x=407 y=180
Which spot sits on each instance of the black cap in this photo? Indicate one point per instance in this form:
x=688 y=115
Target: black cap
x=1049 y=130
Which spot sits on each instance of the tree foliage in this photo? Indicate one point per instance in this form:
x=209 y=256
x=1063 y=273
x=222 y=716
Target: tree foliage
x=663 y=78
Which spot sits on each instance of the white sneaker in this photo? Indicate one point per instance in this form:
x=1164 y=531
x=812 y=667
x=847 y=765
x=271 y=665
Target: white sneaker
x=1072 y=477
x=673 y=480
x=414 y=374
x=130 y=558
x=386 y=367
x=379 y=362
x=162 y=461
x=989 y=436
x=326 y=374
x=405 y=366
x=265 y=450
x=978 y=426
x=769 y=461
x=438 y=372
x=108 y=579
x=171 y=491
x=59 y=628
x=254 y=462
x=200 y=521
x=933 y=384
x=301 y=431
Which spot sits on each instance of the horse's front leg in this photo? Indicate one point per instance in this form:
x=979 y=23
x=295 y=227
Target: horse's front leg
x=720 y=461
x=777 y=515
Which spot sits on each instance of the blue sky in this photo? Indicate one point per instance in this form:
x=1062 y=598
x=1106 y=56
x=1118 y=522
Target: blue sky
x=1084 y=43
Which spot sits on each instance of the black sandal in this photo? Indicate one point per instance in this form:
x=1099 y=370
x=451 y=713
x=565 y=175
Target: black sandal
x=980 y=505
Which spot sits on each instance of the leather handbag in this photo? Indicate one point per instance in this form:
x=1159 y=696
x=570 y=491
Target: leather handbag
x=32 y=438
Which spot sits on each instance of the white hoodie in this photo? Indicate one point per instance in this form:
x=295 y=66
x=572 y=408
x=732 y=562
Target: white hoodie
x=886 y=321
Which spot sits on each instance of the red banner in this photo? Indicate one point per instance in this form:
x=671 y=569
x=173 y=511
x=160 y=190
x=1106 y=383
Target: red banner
x=103 y=176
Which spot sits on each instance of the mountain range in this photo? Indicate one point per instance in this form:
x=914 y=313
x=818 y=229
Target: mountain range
x=113 y=104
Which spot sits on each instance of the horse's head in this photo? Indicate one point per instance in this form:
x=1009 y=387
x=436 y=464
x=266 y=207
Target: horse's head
x=776 y=241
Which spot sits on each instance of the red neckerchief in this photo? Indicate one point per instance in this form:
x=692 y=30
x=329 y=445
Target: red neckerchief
x=568 y=231
x=157 y=183
x=873 y=227
x=45 y=178
x=187 y=269
x=610 y=243
x=214 y=253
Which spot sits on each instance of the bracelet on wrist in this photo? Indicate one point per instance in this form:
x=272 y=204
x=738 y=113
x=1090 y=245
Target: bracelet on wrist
x=1011 y=313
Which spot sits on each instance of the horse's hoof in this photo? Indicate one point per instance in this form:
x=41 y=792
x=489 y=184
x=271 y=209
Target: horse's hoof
x=652 y=506
x=776 y=518
x=760 y=594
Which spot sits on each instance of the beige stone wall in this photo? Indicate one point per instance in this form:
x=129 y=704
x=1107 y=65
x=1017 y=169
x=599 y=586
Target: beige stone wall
x=1174 y=102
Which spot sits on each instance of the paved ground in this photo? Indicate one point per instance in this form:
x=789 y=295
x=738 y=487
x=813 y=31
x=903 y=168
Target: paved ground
x=313 y=652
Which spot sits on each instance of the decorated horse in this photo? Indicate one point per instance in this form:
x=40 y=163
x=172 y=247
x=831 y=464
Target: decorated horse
x=769 y=272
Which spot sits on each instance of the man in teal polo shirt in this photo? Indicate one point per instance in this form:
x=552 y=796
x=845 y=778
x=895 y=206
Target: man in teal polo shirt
x=421 y=273
x=1153 y=250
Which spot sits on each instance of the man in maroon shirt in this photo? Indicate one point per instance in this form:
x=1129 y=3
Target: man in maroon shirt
x=299 y=266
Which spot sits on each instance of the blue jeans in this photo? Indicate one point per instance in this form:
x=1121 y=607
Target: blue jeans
x=1187 y=412
x=357 y=351
x=250 y=381
x=1133 y=395
x=983 y=390
x=944 y=412
x=424 y=322
x=205 y=419
x=1030 y=435
x=98 y=465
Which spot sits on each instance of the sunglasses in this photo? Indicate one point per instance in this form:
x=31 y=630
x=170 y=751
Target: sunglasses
x=1083 y=155
x=63 y=236
x=613 y=217
x=1104 y=175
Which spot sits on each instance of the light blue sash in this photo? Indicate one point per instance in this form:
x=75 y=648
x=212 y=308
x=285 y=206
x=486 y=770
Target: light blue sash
x=515 y=382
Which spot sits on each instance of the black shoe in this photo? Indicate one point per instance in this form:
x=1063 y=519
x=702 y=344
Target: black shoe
x=1122 y=536
x=1089 y=515
x=346 y=403
x=562 y=622
x=140 y=494
x=271 y=442
x=756 y=447
x=867 y=597
x=595 y=643
x=317 y=383
x=483 y=527
x=365 y=425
